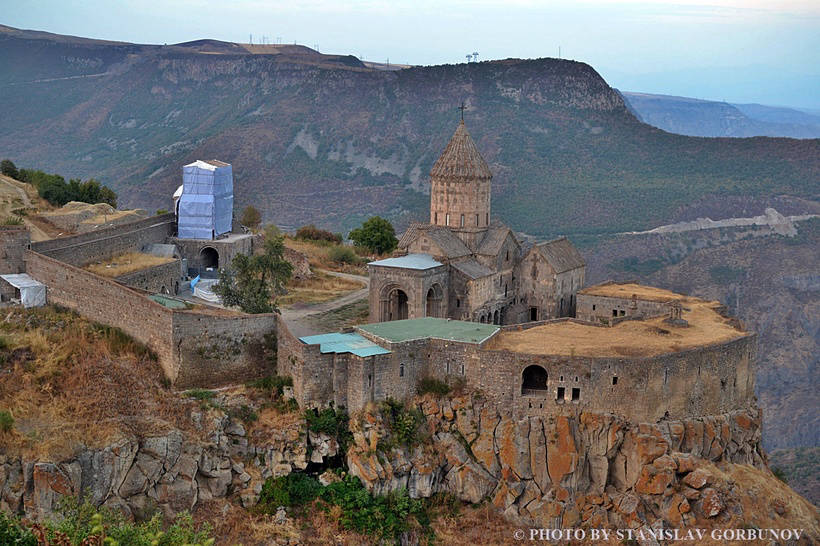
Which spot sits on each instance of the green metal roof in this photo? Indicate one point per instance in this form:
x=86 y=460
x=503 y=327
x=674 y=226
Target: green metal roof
x=428 y=327
x=344 y=343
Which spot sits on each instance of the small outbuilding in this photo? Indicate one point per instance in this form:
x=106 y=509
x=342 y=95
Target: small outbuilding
x=22 y=288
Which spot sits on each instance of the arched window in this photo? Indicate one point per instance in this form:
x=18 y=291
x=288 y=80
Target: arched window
x=447 y=219
x=462 y=221
x=476 y=220
x=534 y=380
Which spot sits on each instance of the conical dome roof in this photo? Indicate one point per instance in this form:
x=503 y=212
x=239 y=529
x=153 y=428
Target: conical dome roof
x=461 y=158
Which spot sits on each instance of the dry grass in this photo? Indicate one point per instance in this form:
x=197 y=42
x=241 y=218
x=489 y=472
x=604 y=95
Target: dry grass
x=318 y=256
x=126 y=263
x=629 y=338
x=317 y=289
x=69 y=383
x=626 y=290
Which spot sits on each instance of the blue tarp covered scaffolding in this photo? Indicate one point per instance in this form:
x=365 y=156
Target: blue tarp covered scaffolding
x=206 y=204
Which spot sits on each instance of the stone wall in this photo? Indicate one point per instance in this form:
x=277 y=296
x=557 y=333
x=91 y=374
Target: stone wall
x=194 y=348
x=14 y=240
x=606 y=309
x=106 y=243
x=703 y=381
x=227 y=248
x=155 y=279
x=106 y=301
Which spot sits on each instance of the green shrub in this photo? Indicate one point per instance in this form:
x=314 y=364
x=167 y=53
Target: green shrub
x=200 y=394
x=14 y=534
x=433 y=386
x=294 y=489
x=271 y=383
x=81 y=521
x=12 y=221
x=6 y=421
x=383 y=516
x=404 y=424
x=160 y=212
x=312 y=233
x=343 y=255
x=332 y=422
x=244 y=413
x=4 y=343
x=780 y=474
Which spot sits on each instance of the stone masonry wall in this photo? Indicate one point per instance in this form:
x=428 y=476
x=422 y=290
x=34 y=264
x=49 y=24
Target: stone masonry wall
x=14 y=240
x=703 y=381
x=109 y=242
x=605 y=309
x=193 y=348
x=154 y=279
x=106 y=301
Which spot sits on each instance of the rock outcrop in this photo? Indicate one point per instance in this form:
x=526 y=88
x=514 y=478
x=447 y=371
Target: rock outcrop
x=562 y=470
x=168 y=472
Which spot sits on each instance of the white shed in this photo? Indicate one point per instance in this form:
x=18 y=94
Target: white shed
x=21 y=287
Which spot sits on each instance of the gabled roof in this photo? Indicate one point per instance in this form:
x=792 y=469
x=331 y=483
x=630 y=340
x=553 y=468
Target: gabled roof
x=461 y=158
x=472 y=269
x=493 y=239
x=411 y=261
x=449 y=243
x=561 y=254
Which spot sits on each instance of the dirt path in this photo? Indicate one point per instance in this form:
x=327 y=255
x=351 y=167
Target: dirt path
x=11 y=188
x=296 y=316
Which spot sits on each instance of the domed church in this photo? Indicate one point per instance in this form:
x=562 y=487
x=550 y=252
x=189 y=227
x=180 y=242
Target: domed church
x=465 y=265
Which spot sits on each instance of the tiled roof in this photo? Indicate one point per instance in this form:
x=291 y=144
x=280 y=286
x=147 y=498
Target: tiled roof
x=561 y=254
x=490 y=245
x=472 y=269
x=443 y=237
x=448 y=242
x=411 y=261
x=461 y=158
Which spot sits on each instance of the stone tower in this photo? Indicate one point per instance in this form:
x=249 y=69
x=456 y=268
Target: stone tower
x=460 y=193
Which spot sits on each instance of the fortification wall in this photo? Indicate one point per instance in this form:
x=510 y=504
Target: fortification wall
x=227 y=249
x=14 y=240
x=703 y=381
x=606 y=309
x=214 y=349
x=154 y=279
x=194 y=349
x=109 y=242
x=106 y=301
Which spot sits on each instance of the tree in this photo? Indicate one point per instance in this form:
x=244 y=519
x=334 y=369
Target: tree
x=251 y=218
x=251 y=281
x=8 y=168
x=376 y=235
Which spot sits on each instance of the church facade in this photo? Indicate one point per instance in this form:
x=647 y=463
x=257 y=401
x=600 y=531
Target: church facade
x=464 y=265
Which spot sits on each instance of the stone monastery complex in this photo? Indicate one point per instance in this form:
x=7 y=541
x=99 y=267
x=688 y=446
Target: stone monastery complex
x=463 y=300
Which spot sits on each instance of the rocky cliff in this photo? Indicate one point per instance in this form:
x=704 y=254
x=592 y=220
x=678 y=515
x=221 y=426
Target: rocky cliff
x=582 y=470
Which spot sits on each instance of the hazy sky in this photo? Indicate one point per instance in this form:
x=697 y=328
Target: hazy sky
x=752 y=51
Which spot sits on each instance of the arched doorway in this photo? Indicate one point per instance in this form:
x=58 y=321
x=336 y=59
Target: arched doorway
x=394 y=304
x=209 y=258
x=495 y=317
x=435 y=298
x=534 y=380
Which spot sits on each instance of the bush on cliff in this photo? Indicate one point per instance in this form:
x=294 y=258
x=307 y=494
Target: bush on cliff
x=294 y=489
x=13 y=533
x=430 y=385
x=6 y=421
x=312 y=233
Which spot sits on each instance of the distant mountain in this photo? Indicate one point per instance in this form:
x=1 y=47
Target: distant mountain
x=324 y=139
x=695 y=117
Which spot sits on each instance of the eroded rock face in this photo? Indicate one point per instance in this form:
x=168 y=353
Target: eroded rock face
x=168 y=471
x=560 y=470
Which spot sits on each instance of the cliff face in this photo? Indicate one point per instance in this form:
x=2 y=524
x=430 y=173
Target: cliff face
x=321 y=139
x=588 y=470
